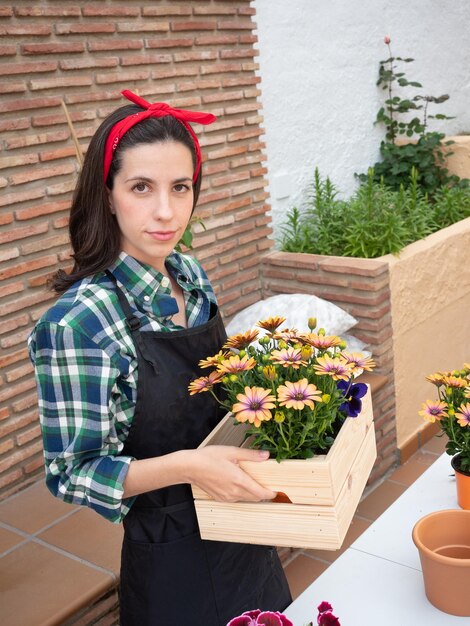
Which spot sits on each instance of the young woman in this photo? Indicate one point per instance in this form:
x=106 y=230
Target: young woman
x=113 y=359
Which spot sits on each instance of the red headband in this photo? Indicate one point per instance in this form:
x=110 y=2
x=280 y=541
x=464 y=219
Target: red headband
x=158 y=109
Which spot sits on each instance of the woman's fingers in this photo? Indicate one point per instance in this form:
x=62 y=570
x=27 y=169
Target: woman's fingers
x=216 y=470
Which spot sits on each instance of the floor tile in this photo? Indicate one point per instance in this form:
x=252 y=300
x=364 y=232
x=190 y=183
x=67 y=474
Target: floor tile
x=437 y=445
x=43 y=588
x=379 y=500
x=9 y=539
x=358 y=526
x=302 y=571
x=90 y=537
x=33 y=508
x=407 y=473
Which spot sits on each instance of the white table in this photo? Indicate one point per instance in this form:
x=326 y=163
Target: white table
x=378 y=579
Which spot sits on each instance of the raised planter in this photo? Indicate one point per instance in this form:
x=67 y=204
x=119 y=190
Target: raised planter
x=324 y=491
x=412 y=310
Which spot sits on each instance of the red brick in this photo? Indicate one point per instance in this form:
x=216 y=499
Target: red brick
x=115 y=44
x=20 y=104
x=45 y=243
x=215 y=10
x=52 y=48
x=6 y=446
x=121 y=77
x=16 y=424
x=7 y=290
x=361 y=267
x=14 y=161
x=244 y=80
x=42 y=209
x=205 y=55
x=148 y=26
x=38 y=11
x=169 y=43
x=20 y=372
x=84 y=63
x=20 y=456
x=28 y=435
x=29 y=68
x=248 y=38
x=21 y=303
x=93 y=11
x=236 y=25
x=59 y=118
x=57 y=190
x=60 y=153
x=13 y=87
x=222 y=96
x=41 y=173
x=221 y=68
x=11 y=325
x=37 y=138
x=60 y=82
x=84 y=28
x=9 y=253
x=166 y=11
x=199 y=84
x=27 y=402
x=193 y=25
x=13 y=357
x=21 y=233
x=7 y=50
x=28 y=266
x=145 y=59
x=216 y=40
x=25 y=30
x=6 y=11
x=4 y=413
x=9 y=478
x=13 y=391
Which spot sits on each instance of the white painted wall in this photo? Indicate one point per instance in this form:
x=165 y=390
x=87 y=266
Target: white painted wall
x=319 y=63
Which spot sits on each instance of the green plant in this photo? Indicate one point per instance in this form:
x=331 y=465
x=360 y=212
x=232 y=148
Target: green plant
x=374 y=221
x=426 y=154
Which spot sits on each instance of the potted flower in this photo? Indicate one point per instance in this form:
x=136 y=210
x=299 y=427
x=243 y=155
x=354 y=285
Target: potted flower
x=325 y=617
x=294 y=394
x=293 y=389
x=452 y=412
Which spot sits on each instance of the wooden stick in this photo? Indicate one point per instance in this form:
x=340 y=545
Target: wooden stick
x=78 y=149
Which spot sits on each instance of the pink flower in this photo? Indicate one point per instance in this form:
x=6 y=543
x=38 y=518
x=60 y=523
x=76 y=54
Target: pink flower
x=325 y=615
x=387 y=39
x=260 y=618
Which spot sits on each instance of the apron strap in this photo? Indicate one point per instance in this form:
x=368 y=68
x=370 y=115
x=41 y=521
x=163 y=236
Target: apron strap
x=132 y=321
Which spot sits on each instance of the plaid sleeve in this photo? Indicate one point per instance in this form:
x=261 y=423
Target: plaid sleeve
x=77 y=395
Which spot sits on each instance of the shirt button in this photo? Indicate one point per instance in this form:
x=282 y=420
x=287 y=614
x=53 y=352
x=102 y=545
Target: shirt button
x=165 y=282
x=146 y=298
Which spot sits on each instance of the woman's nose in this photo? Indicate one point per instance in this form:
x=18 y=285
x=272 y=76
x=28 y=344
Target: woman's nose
x=163 y=208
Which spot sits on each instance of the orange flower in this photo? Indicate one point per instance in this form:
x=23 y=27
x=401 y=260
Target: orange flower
x=254 y=405
x=298 y=394
x=288 y=357
x=204 y=383
x=235 y=364
x=241 y=340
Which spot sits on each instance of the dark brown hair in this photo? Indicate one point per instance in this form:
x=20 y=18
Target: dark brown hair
x=94 y=232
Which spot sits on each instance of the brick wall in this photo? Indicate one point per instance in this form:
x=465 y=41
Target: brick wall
x=197 y=55
x=361 y=287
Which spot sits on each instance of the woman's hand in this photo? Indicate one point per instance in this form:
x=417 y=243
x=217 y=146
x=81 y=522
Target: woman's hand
x=216 y=470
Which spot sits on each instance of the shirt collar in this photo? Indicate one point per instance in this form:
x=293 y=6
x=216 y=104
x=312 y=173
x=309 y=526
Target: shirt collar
x=144 y=283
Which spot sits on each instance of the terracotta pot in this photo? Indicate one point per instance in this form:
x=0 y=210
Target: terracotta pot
x=443 y=542
x=463 y=483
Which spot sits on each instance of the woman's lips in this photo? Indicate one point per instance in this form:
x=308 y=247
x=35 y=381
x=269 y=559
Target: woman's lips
x=162 y=235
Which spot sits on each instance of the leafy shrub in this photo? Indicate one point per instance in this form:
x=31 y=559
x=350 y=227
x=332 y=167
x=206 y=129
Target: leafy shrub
x=376 y=220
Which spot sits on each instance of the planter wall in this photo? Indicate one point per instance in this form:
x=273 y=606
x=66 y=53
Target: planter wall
x=411 y=310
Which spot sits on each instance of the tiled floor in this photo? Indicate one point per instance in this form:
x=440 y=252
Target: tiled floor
x=56 y=559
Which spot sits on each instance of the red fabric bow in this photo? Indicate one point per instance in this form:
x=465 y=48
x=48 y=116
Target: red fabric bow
x=157 y=109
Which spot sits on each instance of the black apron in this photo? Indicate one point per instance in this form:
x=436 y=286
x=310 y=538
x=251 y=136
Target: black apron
x=169 y=575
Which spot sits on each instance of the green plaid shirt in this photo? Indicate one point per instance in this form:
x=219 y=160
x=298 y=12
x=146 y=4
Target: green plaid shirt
x=86 y=372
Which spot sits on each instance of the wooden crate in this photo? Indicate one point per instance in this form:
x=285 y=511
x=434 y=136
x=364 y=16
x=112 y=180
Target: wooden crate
x=324 y=491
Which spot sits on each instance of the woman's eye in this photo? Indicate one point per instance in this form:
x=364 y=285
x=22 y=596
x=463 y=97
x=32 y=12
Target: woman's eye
x=181 y=187
x=140 y=187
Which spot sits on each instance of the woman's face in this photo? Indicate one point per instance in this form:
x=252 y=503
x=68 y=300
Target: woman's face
x=152 y=199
